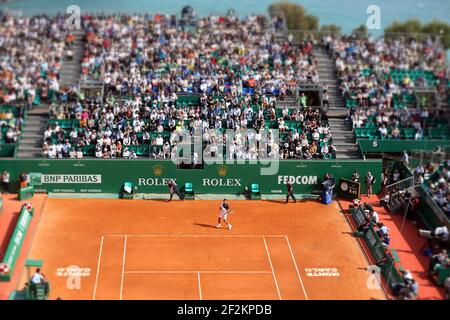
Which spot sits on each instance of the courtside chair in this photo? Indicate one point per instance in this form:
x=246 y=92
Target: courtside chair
x=127 y=190
x=255 y=192
x=189 y=191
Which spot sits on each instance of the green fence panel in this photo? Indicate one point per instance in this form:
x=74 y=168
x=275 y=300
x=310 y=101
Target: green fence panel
x=375 y=244
x=379 y=146
x=429 y=211
x=359 y=216
x=391 y=274
x=151 y=176
x=7 y=150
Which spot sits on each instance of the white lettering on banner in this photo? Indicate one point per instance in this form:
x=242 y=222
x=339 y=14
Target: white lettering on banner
x=322 y=272
x=371 y=238
x=24 y=221
x=71 y=178
x=297 y=179
x=150 y=182
x=222 y=182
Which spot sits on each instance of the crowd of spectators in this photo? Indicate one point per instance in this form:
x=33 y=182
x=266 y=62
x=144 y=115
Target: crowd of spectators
x=365 y=67
x=113 y=125
x=10 y=125
x=149 y=54
x=436 y=180
x=31 y=49
x=389 y=122
x=407 y=288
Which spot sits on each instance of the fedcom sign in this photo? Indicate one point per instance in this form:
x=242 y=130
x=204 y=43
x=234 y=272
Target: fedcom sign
x=297 y=179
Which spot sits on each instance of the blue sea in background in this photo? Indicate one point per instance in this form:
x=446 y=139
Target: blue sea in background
x=347 y=13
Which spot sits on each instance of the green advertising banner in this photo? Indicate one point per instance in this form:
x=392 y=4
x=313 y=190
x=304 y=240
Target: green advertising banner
x=374 y=243
x=16 y=242
x=150 y=176
x=358 y=216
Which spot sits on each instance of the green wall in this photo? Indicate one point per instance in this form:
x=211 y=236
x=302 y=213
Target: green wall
x=149 y=176
x=375 y=146
x=7 y=150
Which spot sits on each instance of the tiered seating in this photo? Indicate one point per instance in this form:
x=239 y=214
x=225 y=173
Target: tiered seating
x=31 y=51
x=414 y=75
x=226 y=55
x=258 y=114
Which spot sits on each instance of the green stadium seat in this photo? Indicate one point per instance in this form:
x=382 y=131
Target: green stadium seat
x=255 y=191
x=189 y=191
x=127 y=190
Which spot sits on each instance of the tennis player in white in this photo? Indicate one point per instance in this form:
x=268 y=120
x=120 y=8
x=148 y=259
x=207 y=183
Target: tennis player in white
x=223 y=215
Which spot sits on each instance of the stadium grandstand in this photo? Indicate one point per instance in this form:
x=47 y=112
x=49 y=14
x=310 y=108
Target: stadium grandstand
x=143 y=106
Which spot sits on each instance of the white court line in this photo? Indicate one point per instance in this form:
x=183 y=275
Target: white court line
x=123 y=265
x=196 y=235
x=271 y=266
x=199 y=285
x=193 y=271
x=296 y=268
x=98 y=267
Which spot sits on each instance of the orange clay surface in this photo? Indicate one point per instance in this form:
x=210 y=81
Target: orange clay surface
x=142 y=249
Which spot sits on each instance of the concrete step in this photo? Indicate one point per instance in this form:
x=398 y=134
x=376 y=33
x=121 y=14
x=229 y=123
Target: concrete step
x=338 y=121
x=34 y=129
x=342 y=141
x=31 y=135
x=345 y=148
x=29 y=154
x=351 y=155
x=30 y=143
x=338 y=113
x=41 y=110
x=35 y=119
x=30 y=148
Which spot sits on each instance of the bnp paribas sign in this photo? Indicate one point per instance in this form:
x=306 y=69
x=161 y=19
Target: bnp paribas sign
x=37 y=178
x=222 y=171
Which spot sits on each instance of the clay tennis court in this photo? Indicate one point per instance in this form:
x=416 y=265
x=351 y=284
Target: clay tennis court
x=149 y=249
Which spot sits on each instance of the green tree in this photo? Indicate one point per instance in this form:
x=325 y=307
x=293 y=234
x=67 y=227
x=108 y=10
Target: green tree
x=440 y=28
x=414 y=26
x=360 y=32
x=331 y=29
x=296 y=16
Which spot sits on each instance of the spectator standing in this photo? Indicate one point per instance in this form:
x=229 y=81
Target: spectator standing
x=23 y=179
x=370 y=180
x=5 y=182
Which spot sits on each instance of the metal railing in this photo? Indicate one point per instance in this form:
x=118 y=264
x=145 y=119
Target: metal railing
x=401 y=185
